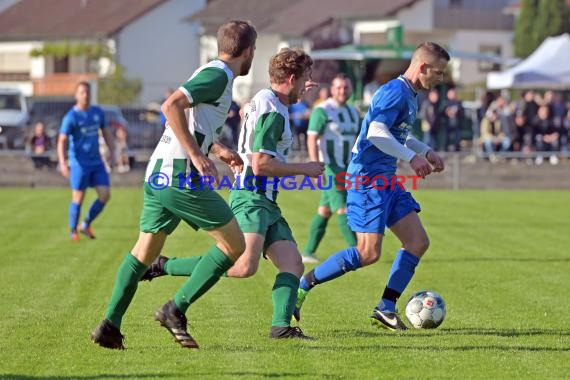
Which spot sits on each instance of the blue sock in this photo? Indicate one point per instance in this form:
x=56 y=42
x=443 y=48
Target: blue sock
x=400 y=276
x=335 y=266
x=94 y=210
x=74 y=210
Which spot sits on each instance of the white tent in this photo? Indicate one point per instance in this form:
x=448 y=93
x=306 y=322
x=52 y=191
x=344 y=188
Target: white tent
x=547 y=67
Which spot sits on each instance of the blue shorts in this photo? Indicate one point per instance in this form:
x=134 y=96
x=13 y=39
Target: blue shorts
x=371 y=210
x=82 y=177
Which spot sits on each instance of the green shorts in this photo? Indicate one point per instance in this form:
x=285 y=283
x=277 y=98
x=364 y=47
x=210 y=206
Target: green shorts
x=333 y=198
x=201 y=209
x=257 y=214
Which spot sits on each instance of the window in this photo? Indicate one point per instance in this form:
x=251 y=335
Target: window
x=10 y=102
x=490 y=64
x=61 y=64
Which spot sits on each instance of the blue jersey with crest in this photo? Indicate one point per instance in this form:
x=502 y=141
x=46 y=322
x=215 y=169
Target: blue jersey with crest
x=395 y=104
x=82 y=130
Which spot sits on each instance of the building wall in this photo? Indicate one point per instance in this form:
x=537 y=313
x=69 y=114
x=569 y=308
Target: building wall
x=473 y=14
x=418 y=18
x=15 y=59
x=245 y=87
x=161 y=48
x=425 y=21
x=472 y=41
x=258 y=78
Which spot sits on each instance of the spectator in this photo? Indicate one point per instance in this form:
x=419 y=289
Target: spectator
x=121 y=151
x=371 y=87
x=546 y=135
x=38 y=145
x=522 y=139
x=529 y=106
x=454 y=116
x=556 y=106
x=324 y=94
x=494 y=134
x=299 y=114
x=486 y=99
x=565 y=134
x=167 y=94
x=504 y=112
x=232 y=125
x=431 y=115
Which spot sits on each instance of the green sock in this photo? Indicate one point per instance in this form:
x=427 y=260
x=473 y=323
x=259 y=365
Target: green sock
x=126 y=283
x=181 y=267
x=207 y=272
x=284 y=297
x=316 y=233
x=347 y=233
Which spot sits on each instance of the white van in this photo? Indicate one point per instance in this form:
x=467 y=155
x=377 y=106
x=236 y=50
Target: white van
x=14 y=119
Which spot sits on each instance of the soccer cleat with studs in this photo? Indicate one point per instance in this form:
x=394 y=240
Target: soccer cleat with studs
x=87 y=230
x=288 y=333
x=108 y=336
x=156 y=269
x=171 y=318
x=387 y=320
x=74 y=236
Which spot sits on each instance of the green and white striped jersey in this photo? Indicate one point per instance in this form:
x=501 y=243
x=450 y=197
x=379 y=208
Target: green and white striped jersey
x=209 y=91
x=266 y=129
x=337 y=127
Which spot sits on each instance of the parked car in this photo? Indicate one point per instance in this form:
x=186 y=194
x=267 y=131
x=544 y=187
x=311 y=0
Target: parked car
x=14 y=119
x=51 y=112
x=145 y=128
x=114 y=117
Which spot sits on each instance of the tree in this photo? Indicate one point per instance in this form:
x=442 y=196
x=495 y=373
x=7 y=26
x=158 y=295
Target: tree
x=550 y=20
x=538 y=20
x=524 y=43
x=118 y=89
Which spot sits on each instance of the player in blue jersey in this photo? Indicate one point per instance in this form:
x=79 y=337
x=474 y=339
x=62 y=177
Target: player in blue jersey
x=384 y=138
x=84 y=166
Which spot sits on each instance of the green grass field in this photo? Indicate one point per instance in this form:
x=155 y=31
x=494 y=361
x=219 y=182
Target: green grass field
x=500 y=260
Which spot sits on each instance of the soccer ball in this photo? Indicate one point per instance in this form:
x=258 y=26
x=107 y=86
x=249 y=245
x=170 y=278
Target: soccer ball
x=425 y=310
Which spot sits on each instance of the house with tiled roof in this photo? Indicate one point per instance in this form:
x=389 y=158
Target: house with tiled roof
x=308 y=24
x=46 y=47
x=474 y=29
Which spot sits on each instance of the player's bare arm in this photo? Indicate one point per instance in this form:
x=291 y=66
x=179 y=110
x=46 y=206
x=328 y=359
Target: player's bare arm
x=313 y=149
x=110 y=141
x=266 y=165
x=312 y=146
x=61 y=148
x=228 y=156
x=173 y=108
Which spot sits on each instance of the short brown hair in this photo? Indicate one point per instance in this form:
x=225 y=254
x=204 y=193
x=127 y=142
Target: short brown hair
x=341 y=76
x=235 y=36
x=432 y=49
x=286 y=62
x=83 y=83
